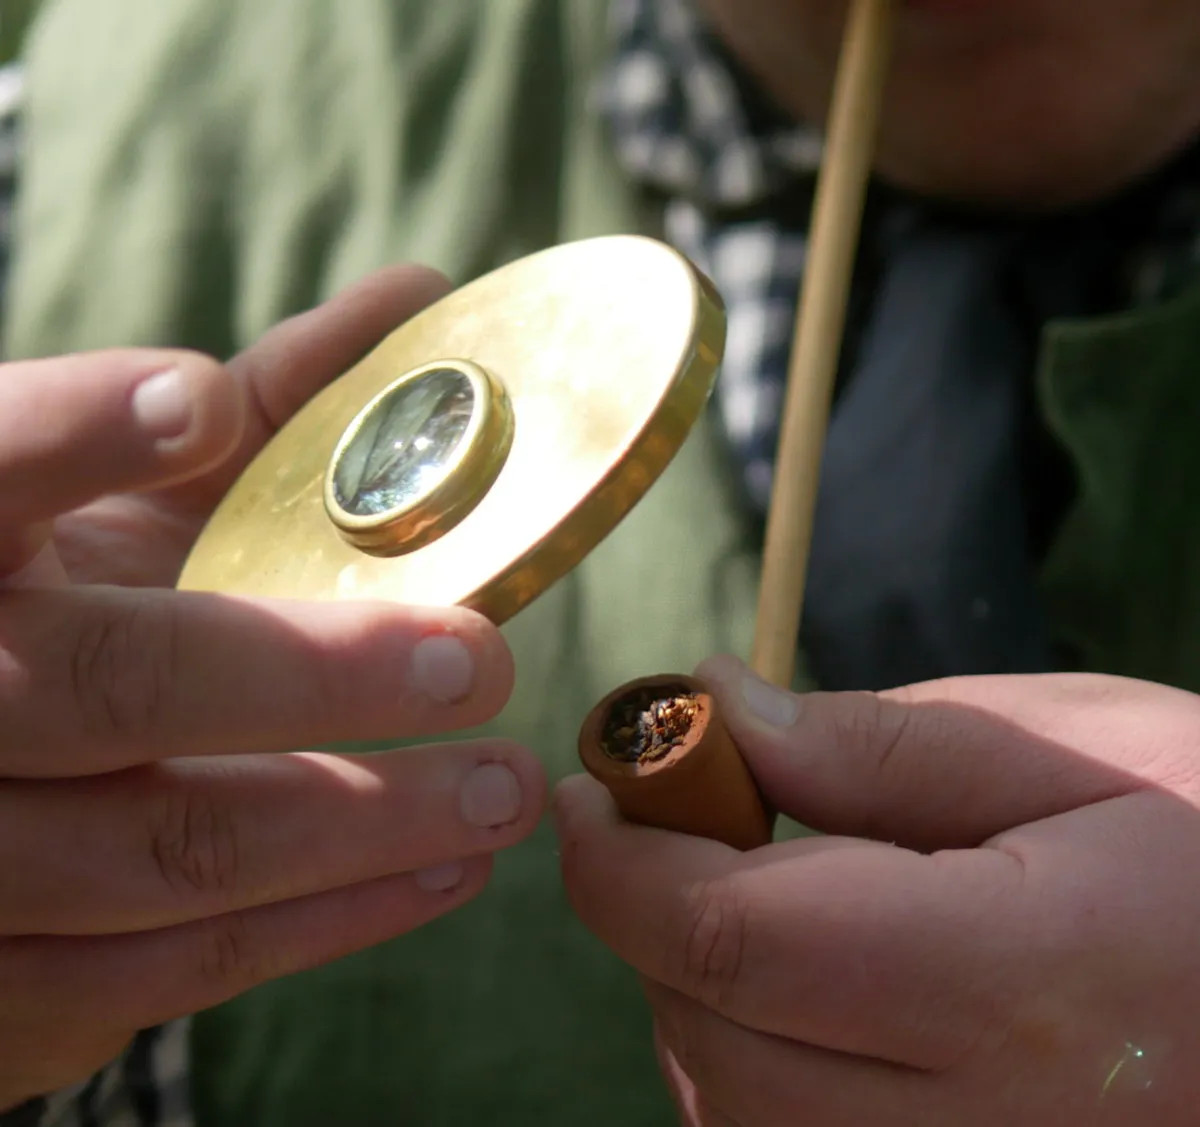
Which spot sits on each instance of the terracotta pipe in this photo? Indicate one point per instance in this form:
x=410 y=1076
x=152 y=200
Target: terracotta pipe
x=661 y=748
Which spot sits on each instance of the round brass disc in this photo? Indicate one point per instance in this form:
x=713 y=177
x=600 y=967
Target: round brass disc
x=607 y=350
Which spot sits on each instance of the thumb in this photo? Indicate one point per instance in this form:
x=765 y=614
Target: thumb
x=949 y=764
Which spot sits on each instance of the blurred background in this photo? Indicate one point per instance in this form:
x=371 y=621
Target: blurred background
x=14 y=18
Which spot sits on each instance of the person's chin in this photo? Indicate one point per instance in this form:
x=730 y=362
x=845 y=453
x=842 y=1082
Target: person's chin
x=1003 y=179
x=1028 y=146
x=964 y=160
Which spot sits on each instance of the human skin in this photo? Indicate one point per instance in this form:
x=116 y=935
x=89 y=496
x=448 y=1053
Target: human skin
x=155 y=858
x=1000 y=927
x=1028 y=104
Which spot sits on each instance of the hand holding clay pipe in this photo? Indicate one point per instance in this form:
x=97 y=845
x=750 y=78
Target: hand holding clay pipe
x=1001 y=929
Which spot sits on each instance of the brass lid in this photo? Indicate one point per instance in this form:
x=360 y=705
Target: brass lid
x=486 y=446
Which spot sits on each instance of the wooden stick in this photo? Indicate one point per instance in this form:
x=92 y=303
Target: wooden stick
x=820 y=322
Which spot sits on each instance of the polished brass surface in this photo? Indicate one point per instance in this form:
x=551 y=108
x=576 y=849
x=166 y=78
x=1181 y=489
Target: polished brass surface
x=455 y=485
x=607 y=350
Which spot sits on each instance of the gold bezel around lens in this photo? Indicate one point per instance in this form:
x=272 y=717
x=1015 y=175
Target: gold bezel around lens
x=462 y=480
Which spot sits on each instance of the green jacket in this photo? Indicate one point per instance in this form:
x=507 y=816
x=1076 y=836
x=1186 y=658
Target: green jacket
x=199 y=169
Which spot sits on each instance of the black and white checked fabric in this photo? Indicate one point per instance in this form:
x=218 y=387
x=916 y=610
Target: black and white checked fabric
x=687 y=123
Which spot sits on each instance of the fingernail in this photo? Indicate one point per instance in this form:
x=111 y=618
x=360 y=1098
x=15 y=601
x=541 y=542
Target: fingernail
x=442 y=668
x=441 y=878
x=162 y=405
x=491 y=797
x=771 y=705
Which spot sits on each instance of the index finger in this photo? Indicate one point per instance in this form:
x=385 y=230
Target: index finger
x=96 y=679
x=848 y=945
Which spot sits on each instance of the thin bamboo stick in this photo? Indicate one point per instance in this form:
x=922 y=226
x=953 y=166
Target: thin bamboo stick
x=820 y=323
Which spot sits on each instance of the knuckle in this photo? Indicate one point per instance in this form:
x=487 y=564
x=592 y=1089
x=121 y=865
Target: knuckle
x=195 y=843
x=858 y=735
x=872 y=734
x=122 y=667
x=714 y=944
x=889 y=737
x=230 y=960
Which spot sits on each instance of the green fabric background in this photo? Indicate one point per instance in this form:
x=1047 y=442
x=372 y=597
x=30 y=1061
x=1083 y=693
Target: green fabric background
x=15 y=17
